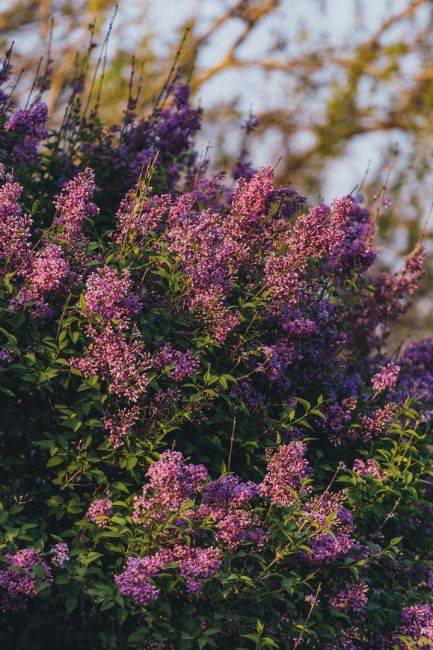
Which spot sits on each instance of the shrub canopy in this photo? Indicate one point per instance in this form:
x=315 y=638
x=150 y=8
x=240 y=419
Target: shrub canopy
x=205 y=442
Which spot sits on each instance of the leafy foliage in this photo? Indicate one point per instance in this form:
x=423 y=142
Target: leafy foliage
x=205 y=443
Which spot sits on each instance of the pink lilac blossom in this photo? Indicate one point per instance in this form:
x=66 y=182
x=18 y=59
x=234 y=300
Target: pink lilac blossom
x=137 y=216
x=109 y=295
x=370 y=466
x=386 y=378
x=172 y=482
x=206 y=254
x=100 y=512
x=352 y=599
x=184 y=363
x=14 y=229
x=119 y=424
x=123 y=363
x=246 y=224
x=195 y=566
x=413 y=271
x=18 y=583
x=60 y=554
x=374 y=424
x=287 y=469
x=74 y=205
x=48 y=273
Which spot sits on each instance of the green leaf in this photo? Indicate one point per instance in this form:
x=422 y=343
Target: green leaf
x=55 y=460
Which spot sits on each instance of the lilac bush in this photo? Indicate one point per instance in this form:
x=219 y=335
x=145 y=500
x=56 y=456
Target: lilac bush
x=205 y=442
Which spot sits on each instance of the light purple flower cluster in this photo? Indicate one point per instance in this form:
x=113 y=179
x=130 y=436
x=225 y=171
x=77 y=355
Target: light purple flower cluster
x=74 y=204
x=225 y=502
x=14 y=229
x=48 y=273
x=134 y=581
x=110 y=356
x=109 y=294
x=328 y=513
x=172 y=482
x=386 y=378
x=27 y=126
x=60 y=554
x=277 y=358
x=417 y=622
x=374 y=424
x=100 y=512
x=370 y=466
x=352 y=599
x=195 y=566
x=179 y=364
x=6 y=356
x=138 y=217
x=287 y=469
x=206 y=255
x=19 y=583
x=417 y=370
x=120 y=424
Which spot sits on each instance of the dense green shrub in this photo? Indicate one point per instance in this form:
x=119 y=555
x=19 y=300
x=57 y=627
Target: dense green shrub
x=205 y=443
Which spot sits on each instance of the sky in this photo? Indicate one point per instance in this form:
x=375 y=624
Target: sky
x=338 y=21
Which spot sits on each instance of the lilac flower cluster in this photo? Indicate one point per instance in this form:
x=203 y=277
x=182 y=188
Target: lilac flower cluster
x=125 y=363
x=179 y=364
x=328 y=513
x=225 y=502
x=19 y=582
x=49 y=272
x=27 y=128
x=14 y=229
x=6 y=356
x=195 y=566
x=172 y=483
x=60 y=554
x=138 y=217
x=100 y=512
x=417 y=623
x=352 y=599
x=134 y=581
x=369 y=467
x=120 y=424
x=386 y=378
x=108 y=294
x=74 y=204
x=287 y=469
